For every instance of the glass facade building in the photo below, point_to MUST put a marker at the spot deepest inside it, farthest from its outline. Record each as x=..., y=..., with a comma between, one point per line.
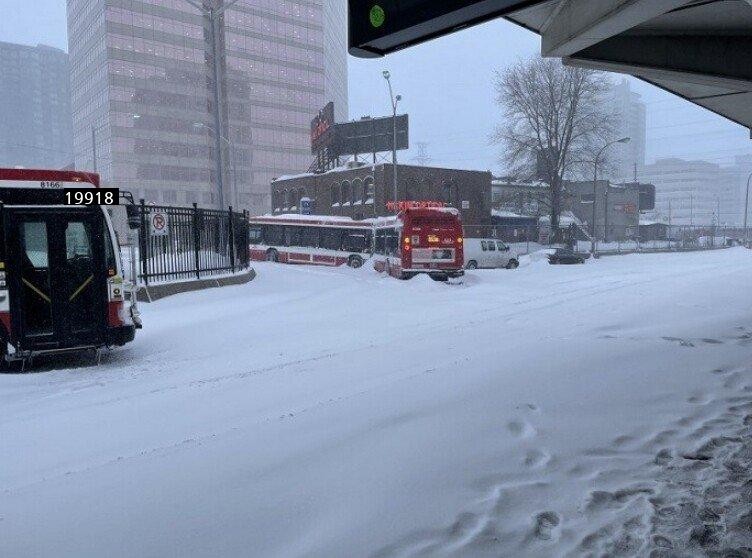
x=143, y=85
x=35, y=115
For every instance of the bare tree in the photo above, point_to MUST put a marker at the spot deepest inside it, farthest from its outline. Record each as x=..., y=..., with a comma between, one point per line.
x=555, y=120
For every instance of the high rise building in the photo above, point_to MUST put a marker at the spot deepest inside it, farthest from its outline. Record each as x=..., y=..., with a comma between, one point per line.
x=693, y=192
x=629, y=121
x=35, y=115
x=143, y=81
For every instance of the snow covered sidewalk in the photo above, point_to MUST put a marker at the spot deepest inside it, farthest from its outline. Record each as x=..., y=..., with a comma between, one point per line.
x=331, y=412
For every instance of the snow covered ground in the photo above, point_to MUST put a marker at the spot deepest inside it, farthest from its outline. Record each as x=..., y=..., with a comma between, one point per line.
x=551, y=410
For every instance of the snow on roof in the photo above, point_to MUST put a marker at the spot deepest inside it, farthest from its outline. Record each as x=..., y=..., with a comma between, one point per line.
x=313, y=219
x=508, y=214
x=341, y=168
x=519, y=183
x=565, y=219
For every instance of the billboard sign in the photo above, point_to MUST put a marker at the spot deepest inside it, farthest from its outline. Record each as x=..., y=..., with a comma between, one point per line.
x=321, y=128
x=378, y=27
x=370, y=135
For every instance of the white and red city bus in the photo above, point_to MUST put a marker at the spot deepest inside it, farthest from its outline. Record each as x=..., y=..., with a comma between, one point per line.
x=422, y=238
x=62, y=286
x=310, y=239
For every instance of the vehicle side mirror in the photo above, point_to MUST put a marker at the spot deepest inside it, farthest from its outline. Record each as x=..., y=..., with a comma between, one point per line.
x=134, y=217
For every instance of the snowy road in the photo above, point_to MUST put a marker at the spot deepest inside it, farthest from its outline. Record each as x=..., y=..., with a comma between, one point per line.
x=332, y=412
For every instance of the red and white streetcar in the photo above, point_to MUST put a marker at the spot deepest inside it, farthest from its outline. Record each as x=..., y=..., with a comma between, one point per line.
x=311, y=239
x=422, y=238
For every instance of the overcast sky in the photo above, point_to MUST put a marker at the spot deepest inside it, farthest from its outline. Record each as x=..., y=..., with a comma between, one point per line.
x=447, y=90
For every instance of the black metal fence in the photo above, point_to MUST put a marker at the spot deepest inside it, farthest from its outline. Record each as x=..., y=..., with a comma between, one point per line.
x=178, y=243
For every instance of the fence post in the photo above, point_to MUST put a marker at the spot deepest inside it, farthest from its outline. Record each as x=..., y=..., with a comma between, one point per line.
x=143, y=243
x=196, y=240
x=232, y=239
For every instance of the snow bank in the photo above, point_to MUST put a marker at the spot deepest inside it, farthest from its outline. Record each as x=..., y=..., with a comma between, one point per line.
x=338, y=412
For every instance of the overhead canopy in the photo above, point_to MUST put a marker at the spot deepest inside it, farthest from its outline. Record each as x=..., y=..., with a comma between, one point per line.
x=699, y=49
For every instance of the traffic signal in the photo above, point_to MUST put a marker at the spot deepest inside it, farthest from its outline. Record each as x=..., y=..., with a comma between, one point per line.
x=378, y=27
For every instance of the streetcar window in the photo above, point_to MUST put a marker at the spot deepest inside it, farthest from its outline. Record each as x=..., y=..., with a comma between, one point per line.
x=483, y=245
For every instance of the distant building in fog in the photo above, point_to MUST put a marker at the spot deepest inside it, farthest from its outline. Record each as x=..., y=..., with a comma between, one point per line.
x=35, y=113
x=630, y=121
x=693, y=192
x=143, y=79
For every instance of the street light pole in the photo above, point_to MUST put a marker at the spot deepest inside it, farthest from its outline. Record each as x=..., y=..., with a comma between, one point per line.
x=214, y=14
x=94, y=146
x=595, y=188
x=394, y=100
x=231, y=147
x=746, y=210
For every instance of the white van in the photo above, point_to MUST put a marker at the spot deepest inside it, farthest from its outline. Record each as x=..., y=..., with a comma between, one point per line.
x=489, y=253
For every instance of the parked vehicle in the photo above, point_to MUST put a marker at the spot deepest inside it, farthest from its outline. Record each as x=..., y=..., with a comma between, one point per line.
x=565, y=256
x=311, y=239
x=62, y=285
x=489, y=253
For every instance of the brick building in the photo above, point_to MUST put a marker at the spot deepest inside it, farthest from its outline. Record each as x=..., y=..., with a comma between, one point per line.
x=360, y=191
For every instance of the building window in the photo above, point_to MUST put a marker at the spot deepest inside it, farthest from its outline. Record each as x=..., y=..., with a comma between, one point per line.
x=357, y=192
x=368, y=186
x=345, y=195
x=447, y=193
x=335, y=195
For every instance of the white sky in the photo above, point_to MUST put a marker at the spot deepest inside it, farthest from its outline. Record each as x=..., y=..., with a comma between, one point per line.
x=447, y=90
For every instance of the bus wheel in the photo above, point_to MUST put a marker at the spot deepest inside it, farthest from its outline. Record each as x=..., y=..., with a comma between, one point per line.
x=355, y=262
x=272, y=255
x=513, y=264
x=472, y=264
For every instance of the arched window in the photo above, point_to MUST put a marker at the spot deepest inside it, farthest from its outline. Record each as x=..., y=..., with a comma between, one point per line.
x=368, y=186
x=345, y=195
x=412, y=191
x=334, y=194
x=447, y=192
x=357, y=192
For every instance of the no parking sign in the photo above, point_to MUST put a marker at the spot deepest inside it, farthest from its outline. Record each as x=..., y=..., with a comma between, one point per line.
x=158, y=221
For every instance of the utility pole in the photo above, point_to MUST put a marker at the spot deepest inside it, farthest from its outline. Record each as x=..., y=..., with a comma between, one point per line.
x=94, y=146
x=394, y=100
x=691, y=210
x=214, y=15
x=746, y=210
x=595, y=186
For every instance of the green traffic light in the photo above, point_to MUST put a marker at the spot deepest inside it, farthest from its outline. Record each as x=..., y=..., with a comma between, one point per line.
x=377, y=16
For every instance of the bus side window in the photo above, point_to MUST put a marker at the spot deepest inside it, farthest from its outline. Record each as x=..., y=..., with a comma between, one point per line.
x=310, y=237
x=255, y=234
x=391, y=242
x=275, y=235
x=491, y=246
x=292, y=236
x=483, y=245
x=331, y=239
x=380, y=236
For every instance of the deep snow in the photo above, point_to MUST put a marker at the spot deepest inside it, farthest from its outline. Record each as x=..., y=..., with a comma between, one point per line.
x=334, y=412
